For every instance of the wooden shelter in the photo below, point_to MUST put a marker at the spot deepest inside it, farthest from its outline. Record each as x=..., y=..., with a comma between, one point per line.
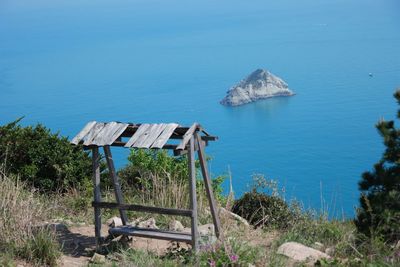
x=171, y=136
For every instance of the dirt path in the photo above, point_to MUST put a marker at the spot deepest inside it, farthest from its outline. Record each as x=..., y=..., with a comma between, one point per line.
x=79, y=243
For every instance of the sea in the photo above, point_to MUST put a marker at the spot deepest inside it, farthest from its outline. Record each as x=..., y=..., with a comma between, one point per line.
x=66, y=62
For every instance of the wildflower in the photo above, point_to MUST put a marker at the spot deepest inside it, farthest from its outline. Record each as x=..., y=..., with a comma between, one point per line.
x=233, y=257
x=212, y=263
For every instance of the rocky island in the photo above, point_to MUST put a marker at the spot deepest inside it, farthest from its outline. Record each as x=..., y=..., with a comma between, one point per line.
x=258, y=85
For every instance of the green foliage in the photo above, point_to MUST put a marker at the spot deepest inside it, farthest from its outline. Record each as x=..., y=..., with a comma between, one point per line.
x=379, y=212
x=46, y=160
x=42, y=248
x=309, y=228
x=262, y=209
x=145, y=164
x=231, y=252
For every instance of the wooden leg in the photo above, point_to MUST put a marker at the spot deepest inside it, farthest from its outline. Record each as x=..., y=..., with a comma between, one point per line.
x=193, y=195
x=208, y=186
x=97, y=194
x=116, y=184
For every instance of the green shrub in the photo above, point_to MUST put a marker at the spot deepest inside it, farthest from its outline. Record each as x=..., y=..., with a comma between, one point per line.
x=379, y=212
x=263, y=210
x=263, y=205
x=45, y=160
x=145, y=165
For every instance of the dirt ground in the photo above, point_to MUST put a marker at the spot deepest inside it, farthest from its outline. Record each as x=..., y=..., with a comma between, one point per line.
x=78, y=243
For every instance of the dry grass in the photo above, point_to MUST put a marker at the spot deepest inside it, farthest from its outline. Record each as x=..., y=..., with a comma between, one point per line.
x=21, y=216
x=170, y=192
x=20, y=211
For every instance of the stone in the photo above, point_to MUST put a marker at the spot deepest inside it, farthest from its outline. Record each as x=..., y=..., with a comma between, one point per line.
x=136, y=221
x=234, y=216
x=206, y=230
x=176, y=226
x=68, y=222
x=150, y=223
x=114, y=222
x=318, y=245
x=300, y=252
x=260, y=84
x=98, y=258
x=330, y=251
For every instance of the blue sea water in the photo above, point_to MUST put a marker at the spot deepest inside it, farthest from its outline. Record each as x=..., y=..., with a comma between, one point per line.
x=63, y=63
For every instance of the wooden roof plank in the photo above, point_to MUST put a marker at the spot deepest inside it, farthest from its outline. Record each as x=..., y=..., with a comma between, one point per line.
x=165, y=135
x=104, y=133
x=142, y=128
x=119, y=130
x=187, y=135
x=93, y=132
x=143, y=137
x=83, y=132
x=153, y=135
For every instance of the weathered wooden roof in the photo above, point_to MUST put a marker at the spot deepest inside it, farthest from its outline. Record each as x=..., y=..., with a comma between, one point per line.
x=138, y=135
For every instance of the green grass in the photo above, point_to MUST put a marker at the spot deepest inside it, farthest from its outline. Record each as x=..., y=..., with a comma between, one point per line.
x=41, y=249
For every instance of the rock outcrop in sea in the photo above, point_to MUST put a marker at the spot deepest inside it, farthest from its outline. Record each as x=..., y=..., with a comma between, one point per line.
x=258, y=85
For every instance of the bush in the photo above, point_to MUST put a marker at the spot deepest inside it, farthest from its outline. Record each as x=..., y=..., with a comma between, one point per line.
x=143, y=163
x=262, y=209
x=148, y=168
x=46, y=161
x=379, y=212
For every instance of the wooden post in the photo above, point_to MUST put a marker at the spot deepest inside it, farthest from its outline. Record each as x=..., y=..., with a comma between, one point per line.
x=97, y=194
x=116, y=184
x=193, y=195
x=208, y=185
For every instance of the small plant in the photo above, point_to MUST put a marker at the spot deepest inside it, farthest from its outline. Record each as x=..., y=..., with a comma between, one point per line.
x=42, y=248
x=231, y=252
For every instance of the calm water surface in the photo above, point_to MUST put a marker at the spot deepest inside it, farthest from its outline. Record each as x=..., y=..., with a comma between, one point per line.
x=63, y=63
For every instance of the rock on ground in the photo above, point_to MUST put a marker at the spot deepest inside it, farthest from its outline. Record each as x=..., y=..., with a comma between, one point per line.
x=114, y=222
x=150, y=223
x=299, y=252
x=206, y=230
x=98, y=258
x=176, y=226
x=229, y=214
